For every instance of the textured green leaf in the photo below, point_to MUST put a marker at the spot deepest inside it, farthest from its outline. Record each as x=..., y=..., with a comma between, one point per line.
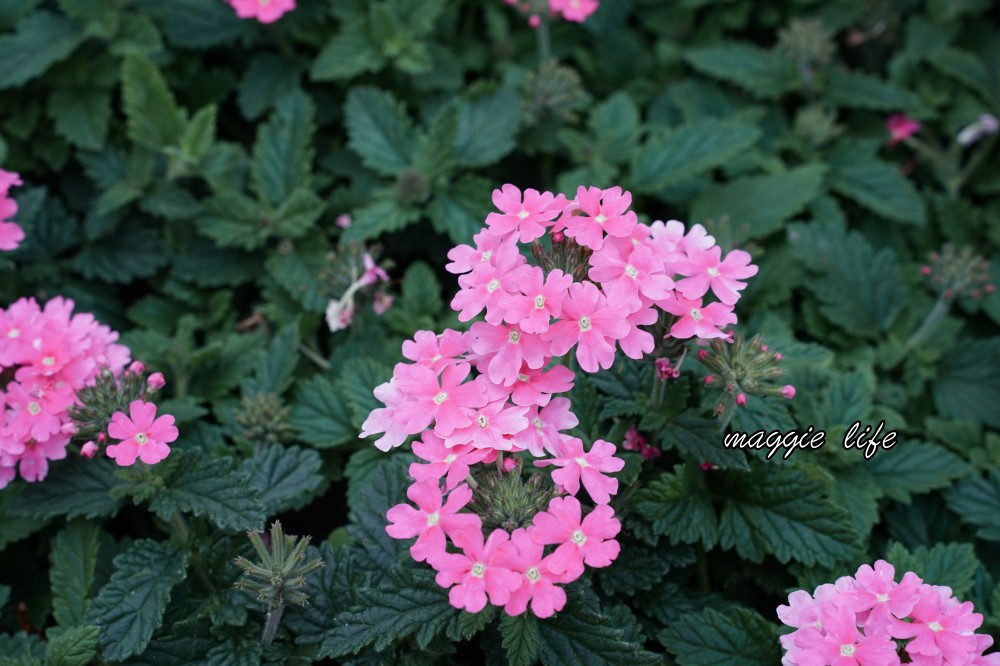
x=641, y=567
x=267, y=79
x=463, y=626
x=699, y=440
x=41, y=40
x=765, y=74
x=679, y=506
x=976, y=500
x=757, y=206
x=207, y=265
x=688, y=151
x=232, y=219
x=614, y=124
x=211, y=488
x=73, y=647
x=173, y=651
x=283, y=152
x=81, y=115
x=286, y=478
x=379, y=130
x=134, y=252
x=138, y=35
x=276, y=364
x=458, y=210
x=357, y=380
x=199, y=133
x=385, y=488
x=196, y=23
x=876, y=185
x=913, y=467
x=15, y=527
x=856, y=90
x=130, y=607
x=74, y=557
x=709, y=638
x=297, y=269
x=779, y=511
x=154, y=120
x=170, y=201
x=966, y=68
x=581, y=634
x=298, y=214
x=951, y=564
x=322, y=414
x=330, y=591
x=968, y=385
x=520, y=638
x=75, y=487
x=487, y=127
x=21, y=649
x=348, y=53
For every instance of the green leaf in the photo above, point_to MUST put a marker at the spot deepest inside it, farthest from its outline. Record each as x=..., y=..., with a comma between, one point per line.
x=379, y=217
x=283, y=152
x=758, y=206
x=276, y=365
x=689, y=150
x=322, y=414
x=951, y=564
x=385, y=488
x=298, y=214
x=520, y=638
x=154, y=120
x=976, y=500
x=357, y=381
x=130, y=607
x=968, y=384
x=76, y=487
x=679, y=506
x=464, y=625
x=213, y=489
x=74, y=557
x=779, y=511
x=73, y=647
x=581, y=634
x=174, y=651
x=134, y=252
x=21, y=649
x=698, y=439
x=286, y=478
x=347, y=54
x=876, y=185
x=41, y=40
x=765, y=74
x=740, y=637
x=914, y=467
x=419, y=303
x=330, y=591
x=487, y=127
x=81, y=115
x=199, y=133
x=196, y=23
x=642, y=568
x=379, y=130
x=856, y=90
x=233, y=219
x=267, y=79
x=614, y=124
x=966, y=68
x=13, y=528
x=458, y=210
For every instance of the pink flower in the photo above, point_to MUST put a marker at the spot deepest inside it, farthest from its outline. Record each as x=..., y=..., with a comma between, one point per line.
x=839, y=643
x=543, y=433
x=697, y=321
x=540, y=299
x=525, y=219
x=383, y=419
x=35, y=412
x=478, y=571
x=156, y=381
x=488, y=284
x=535, y=387
x=588, y=467
x=381, y=302
x=878, y=592
x=590, y=323
x=706, y=271
x=143, y=435
x=901, y=127
x=638, y=342
x=432, y=520
x=11, y=235
x=443, y=460
x=446, y=404
x=574, y=10
x=343, y=221
x=465, y=258
x=265, y=11
x=539, y=582
x=490, y=426
x=589, y=542
x=626, y=271
x=508, y=348
x=604, y=212
x=88, y=450
x=436, y=351
x=939, y=627
x=34, y=460
x=788, y=391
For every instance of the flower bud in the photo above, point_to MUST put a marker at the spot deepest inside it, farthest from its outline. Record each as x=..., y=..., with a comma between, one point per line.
x=156, y=381
x=137, y=368
x=343, y=221
x=788, y=391
x=88, y=450
x=741, y=399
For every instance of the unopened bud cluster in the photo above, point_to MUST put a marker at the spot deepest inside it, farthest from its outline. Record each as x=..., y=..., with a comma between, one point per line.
x=953, y=273
x=506, y=500
x=743, y=367
x=265, y=420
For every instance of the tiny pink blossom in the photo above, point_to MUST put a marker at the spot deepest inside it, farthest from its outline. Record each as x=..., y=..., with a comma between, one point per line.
x=638, y=342
x=626, y=272
x=574, y=10
x=841, y=644
x=432, y=520
x=88, y=450
x=447, y=404
x=788, y=391
x=143, y=435
x=465, y=258
x=539, y=583
x=156, y=381
x=706, y=271
x=489, y=284
x=510, y=348
x=901, y=127
x=535, y=387
x=939, y=626
x=491, y=427
x=587, y=467
x=436, y=351
x=539, y=300
x=544, y=432
x=697, y=320
x=265, y=11
x=343, y=221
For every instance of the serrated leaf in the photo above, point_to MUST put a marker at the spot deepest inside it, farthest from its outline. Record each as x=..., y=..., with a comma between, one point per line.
x=965, y=68
x=968, y=384
x=688, y=151
x=233, y=219
x=21, y=649
x=580, y=634
x=347, y=54
x=276, y=365
x=195, y=23
x=698, y=439
x=199, y=133
x=779, y=511
x=41, y=40
x=75, y=487
x=464, y=625
x=283, y=151
x=856, y=90
x=679, y=506
x=321, y=414
x=379, y=130
x=384, y=489
x=298, y=213
x=976, y=500
x=951, y=564
x=74, y=557
x=81, y=115
x=76, y=646
x=330, y=592
x=130, y=607
x=520, y=638
x=642, y=568
x=267, y=79
x=457, y=210
x=765, y=74
x=173, y=651
x=740, y=637
x=134, y=252
x=757, y=206
x=213, y=489
x=487, y=127
x=914, y=467
x=285, y=477
x=379, y=217
x=876, y=185
x=154, y=120
x=13, y=527
x=298, y=270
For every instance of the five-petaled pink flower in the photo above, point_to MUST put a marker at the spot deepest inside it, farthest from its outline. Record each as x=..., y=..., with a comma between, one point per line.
x=841, y=644
x=588, y=467
x=265, y=11
x=432, y=520
x=527, y=218
x=450, y=462
x=591, y=323
x=590, y=541
x=477, y=571
x=538, y=585
x=143, y=435
x=601, y=212
x=705, y=270
x=697, y=320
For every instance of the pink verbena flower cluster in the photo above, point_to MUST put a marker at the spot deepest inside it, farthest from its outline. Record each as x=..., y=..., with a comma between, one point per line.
x=11, y=234
x=49, y=353
x=571, y=10
x=600, y=283
x=871, y=620
x=265, y=11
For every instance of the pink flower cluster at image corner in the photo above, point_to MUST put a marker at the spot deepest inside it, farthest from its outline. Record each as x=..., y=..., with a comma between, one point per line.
x=628, y=276
x=854, y=622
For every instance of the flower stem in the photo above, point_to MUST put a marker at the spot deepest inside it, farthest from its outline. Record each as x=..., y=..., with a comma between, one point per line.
x=930, y=323
x=544, y=42
x=180, y=527
x=271, y=624
x=314, y=356
x=703, y=581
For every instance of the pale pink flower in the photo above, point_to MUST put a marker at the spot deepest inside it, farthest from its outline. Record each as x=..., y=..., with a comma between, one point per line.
x=478, y=570
x=524, y=219
x=545, y=425
x=383, y=419
x=35, y=412
x=143, y=435
x=433, y=520
x=590, y=541
x=507, y=348
x=603, y=212
x=436, y=351
x=698, y=321
x=491, y=426
x=591, y=323
x=638, y=342
x=11, y=234
x=382, y=302
x=465, y=258
x=156, y=381
x=536, y=386
x=574, y=10
x=446, y=403
x=940, y=626
x=705, y=271
x=343, y=221
x=265, y=11
x=339, y=314
x=373, y=272
x=841, y=644
x=539, y=583
x=587, y=467
x=88, y=450
x=488, y=284
x=34, y=460
x=539, y=301
x=901, y=127
x=627, y=272
x=443, y=461
x=878, y=593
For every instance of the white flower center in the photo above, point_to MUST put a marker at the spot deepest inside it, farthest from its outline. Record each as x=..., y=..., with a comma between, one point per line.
x=935, y=626
x=436, y=358
x=486, y=255
x=483, y=421
x=514, y=337
x=584, y=323
x=533, y=575
x=581, y=462
x=433, y=519
x=440, y=397
x=451, y=458
x=882, y=598
x=522, y=378
x=492, y=286
x=478, y=569
x=600, y=219
x=34, y=408
x=264, y=3
x=631, y=271
x=714, y=272
x=13, y=333
x=538, y=423
x=539, y=302
x=49, y=361
x=696, y=314
x=140, y=438
x=846, y=650
x=523, y=215
x=579, y=538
